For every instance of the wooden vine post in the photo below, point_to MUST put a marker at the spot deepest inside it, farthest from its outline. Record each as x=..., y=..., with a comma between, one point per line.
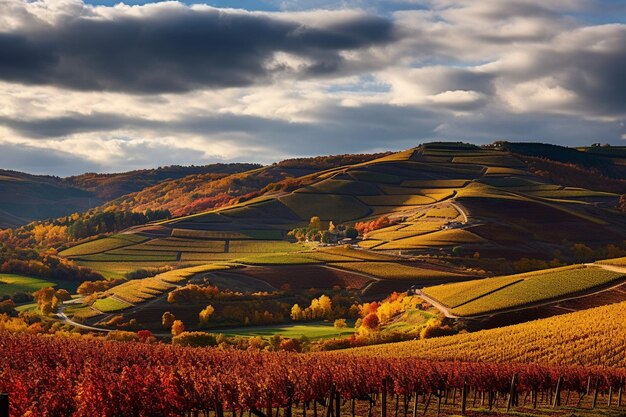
x=4, y=405
x=383, y=399
x=512, y=392
x=464, y=397
x=557, y=393
x=595, y=394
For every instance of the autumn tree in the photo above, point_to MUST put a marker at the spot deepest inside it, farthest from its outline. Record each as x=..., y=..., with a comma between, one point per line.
x=205, y=314
x=63, y=295
x=46, y=300
x=315, y=223
x=167, y=320
x=371, y=322
x=178, y=327
x=146, y=336
x=340, y=324
x=290, y=345
x=296, y=312
x=90, y=287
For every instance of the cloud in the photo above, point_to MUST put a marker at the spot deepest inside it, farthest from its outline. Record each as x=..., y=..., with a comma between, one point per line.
x=116, y=88
x=170, y=47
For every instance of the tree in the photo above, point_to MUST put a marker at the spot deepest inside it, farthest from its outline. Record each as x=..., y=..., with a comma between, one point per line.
x=63, y=295
x=371, y=321
x=167, y=320
x=178, y=327
x=582, y=252
x=46, y=300
x=325, y=306
x=351, y=233
x=340, y=324
x=290, y=345
x=296, y=312
x=206, y=314
x=146, y=336
x=315, y=223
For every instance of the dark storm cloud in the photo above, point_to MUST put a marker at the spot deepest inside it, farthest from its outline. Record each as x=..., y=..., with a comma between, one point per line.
x=174, y=48
x=343, y=127
x=67, y=125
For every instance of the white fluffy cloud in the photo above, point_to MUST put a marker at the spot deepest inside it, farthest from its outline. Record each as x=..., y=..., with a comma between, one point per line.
x=169, y=83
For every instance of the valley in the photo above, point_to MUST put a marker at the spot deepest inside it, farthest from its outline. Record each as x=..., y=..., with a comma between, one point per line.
x=436, y=253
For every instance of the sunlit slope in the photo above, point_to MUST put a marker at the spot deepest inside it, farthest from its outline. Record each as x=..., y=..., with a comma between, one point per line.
x=489, y=295
x=494, y=205
x=591, y=337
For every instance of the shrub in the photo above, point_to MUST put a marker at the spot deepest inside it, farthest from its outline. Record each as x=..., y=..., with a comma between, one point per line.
x=194, y=339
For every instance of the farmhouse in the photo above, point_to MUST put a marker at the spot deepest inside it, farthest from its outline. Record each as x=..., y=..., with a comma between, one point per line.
x=451, y=225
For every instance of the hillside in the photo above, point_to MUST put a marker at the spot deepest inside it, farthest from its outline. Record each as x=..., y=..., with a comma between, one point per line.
x=592, y=337
x=475, y=207
x=492, y=302
x=25, y=197
x=111, y=186
x=200, y=192
x=495, y=207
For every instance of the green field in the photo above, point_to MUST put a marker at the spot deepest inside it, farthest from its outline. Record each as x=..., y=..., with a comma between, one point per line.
x=10, y=284
x=359, y=254
x=109, y=305
x=339, y=208
x=103, y=245
x=263, y=246
x=312, y=331
x=391, y=270
x=278, y=259
x=456, y=294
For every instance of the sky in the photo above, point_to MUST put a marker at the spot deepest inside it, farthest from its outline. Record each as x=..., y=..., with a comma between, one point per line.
x=104, y=86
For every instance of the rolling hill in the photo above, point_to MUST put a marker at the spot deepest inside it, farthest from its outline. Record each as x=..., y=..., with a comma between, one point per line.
x=111, y=186
x=196, y=193
x=25, y=197
x=456, y=199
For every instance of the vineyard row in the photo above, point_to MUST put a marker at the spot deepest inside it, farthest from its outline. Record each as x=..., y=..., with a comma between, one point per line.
x=58, y=376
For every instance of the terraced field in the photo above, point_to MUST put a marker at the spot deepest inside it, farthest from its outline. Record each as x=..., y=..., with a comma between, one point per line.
x=494, y=294
x=103, y=245
x=10, y=284
x=396, y=271
x=494, y=202
x=616, y=261
x=137, y=291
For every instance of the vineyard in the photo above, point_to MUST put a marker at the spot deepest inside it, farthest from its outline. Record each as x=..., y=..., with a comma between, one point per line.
x=493, y=294
x=590, y=337
x=59, y=376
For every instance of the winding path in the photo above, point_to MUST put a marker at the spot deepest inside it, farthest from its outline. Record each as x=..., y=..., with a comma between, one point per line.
x=63, y=317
